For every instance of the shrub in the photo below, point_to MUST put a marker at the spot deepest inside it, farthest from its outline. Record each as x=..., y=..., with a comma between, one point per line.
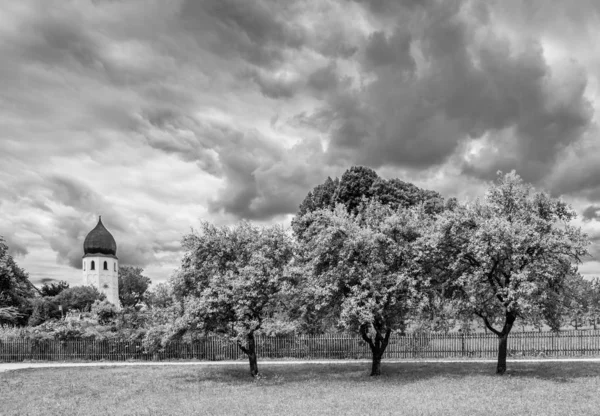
x=9, y=315
x=78, y=297
x=104, y=311
x=44, y=309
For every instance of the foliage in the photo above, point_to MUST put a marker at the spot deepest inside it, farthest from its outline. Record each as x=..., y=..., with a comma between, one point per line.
x=579, y=305
x=358, y=271
x=104, y=311
x=15, y=289
x=53, y=289
x=232, y=281
x=505, y=257
x=594, y=301
x=103, y=322
x=355, y=184
x=321, y=197
x=44, y=309
x=78, y=298
x=360, y=183
x=132, y=285
x=159, y=296
x=13, y=331
x=399, y=194
x=9, y=315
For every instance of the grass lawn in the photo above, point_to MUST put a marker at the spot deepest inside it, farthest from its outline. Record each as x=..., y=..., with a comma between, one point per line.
x=307, y=389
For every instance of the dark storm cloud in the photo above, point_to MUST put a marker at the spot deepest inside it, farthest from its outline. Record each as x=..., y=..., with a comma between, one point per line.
x=85, y=200
x=325, y=79
x=70, y=230
x=67, y=240
x=58, y=39
x=261, y=178
x=577, y=173
x=174, y=133
x=61, y=37
x=16, y=247
x=262, y=184
x=319, y=82
x=471, y=83
x=592, y=212
x=381, y=51
x=258, y=31
x=273, y=86
x=380, y=7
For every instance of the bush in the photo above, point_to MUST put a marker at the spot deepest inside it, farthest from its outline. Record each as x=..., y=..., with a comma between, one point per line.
x=44, y=309
x=160, y=296
x=78, y=298
x=104, y=311
x=9, y=315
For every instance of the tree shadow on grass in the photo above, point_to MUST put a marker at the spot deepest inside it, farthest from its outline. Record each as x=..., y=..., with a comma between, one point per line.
x=394, y=373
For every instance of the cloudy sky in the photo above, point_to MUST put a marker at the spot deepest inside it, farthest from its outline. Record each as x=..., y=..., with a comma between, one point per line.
x=159, y=114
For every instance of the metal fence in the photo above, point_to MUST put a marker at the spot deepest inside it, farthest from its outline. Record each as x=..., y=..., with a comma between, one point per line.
x=331, y=346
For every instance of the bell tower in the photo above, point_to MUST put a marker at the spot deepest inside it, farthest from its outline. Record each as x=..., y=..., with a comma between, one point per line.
x=100, y=263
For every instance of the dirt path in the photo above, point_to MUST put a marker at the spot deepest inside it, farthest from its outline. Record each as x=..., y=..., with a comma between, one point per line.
x=18, y=366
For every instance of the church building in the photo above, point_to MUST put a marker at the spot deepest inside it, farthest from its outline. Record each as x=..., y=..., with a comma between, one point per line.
x=100, y=262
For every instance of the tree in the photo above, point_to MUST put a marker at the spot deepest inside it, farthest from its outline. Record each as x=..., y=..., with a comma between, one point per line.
x=78, y=298
x=595, y=301
x=53, y=289
x=361, y=183
x=358, y=271
x=577, y=301
x=104, y=311
x=9, y=315
x=567, y=305
x=159, y=296
x=44, y=309
x=507, y=256
x=355, y=184
x=322, y=196
x=15, y=289
x=132, y=285
x=231, y=281
x=398, y=194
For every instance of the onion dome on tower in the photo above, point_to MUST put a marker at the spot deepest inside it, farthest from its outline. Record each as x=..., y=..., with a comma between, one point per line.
x=100, y=241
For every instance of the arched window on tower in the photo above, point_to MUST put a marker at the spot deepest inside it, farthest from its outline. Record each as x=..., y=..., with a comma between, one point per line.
x=93, y=266
x=105, y=266
x=84, y=266
x=115, y=263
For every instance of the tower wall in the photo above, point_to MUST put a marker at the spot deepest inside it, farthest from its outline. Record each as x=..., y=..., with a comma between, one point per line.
x=106, y=281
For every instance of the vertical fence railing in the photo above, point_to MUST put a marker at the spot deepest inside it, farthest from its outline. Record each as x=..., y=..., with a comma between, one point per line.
x=327, y=346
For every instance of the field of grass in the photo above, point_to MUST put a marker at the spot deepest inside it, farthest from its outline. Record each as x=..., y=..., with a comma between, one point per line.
x=308, y=389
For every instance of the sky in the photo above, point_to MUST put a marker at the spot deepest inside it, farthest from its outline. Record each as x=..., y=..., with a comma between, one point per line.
x=158, y=114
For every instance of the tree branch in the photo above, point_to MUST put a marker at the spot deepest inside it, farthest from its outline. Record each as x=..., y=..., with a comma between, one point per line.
x=472, y=260
x=244, y=349
x=487, y=323
x=365, y=336
x=386, y=339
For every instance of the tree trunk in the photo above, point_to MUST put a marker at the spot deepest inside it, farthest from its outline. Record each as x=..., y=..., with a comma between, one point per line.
x=509, y=320
x=502, y=351
x=378, y=346
x=250, y=351
x=376, y=365
x=503, y=342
